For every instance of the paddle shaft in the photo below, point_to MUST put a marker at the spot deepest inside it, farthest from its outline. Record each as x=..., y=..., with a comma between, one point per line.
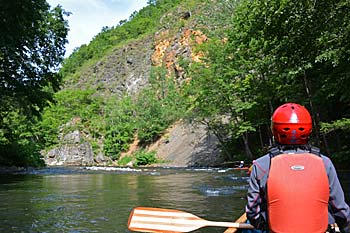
x=241, y=219
x=227, y=224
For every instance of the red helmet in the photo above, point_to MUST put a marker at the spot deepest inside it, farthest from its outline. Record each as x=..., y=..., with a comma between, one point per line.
x=291, y=124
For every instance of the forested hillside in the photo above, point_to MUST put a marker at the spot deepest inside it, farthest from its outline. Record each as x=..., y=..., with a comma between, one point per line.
x=225, y=63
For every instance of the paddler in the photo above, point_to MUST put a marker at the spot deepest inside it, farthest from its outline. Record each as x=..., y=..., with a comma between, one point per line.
x=294, y=188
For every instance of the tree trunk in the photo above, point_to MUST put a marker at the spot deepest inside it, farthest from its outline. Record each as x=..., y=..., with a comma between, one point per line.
x=246, y=146
x=315, y=116
x=261, y=138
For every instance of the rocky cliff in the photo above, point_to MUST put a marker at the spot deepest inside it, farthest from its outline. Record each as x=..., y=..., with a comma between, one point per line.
x=126, y=69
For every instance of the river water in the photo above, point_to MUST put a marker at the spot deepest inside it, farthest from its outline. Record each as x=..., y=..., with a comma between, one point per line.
x=84, y=200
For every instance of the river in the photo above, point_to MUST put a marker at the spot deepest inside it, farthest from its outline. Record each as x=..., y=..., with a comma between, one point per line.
x=83, y=200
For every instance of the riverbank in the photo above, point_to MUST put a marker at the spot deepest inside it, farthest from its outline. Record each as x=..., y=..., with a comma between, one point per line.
x=13, y=170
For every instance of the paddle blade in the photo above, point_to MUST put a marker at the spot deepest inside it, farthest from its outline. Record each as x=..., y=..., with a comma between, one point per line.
x=144, y=219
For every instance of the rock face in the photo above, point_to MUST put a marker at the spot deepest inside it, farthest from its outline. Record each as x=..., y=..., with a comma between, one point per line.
x=125, y=69
x=70, y=155
x=184, y=145
x=187, y=145
x=73, y=151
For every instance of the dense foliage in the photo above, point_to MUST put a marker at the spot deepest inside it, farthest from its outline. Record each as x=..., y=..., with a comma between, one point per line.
x=275, y=52
x=32, y=41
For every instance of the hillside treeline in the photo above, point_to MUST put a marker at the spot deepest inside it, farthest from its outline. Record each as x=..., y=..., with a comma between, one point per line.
x=259, y=55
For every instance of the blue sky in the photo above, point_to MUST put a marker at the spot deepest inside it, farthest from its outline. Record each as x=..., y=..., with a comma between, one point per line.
x=89, y=16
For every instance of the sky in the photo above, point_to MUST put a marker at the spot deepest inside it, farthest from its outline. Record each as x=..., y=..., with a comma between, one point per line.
x=90, y=16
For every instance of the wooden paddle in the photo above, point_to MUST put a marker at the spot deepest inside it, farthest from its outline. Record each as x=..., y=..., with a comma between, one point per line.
x=144, y=219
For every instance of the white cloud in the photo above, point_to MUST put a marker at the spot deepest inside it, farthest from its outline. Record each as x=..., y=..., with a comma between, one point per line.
x=89, y=16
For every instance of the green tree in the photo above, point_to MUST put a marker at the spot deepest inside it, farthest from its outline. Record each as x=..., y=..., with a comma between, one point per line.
x=70, y=104
x=276, y=51
x=32, y=41
x=32, y=44
x=158, y=106
x=223, y=98
x=120, y=126
x=300, y=53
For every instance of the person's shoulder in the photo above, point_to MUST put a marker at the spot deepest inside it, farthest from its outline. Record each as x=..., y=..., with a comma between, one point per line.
x=326, y=159
x=263, y=158
x=263, y=161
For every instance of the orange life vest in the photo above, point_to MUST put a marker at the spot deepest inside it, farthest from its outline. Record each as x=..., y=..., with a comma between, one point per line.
x=297, y=194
